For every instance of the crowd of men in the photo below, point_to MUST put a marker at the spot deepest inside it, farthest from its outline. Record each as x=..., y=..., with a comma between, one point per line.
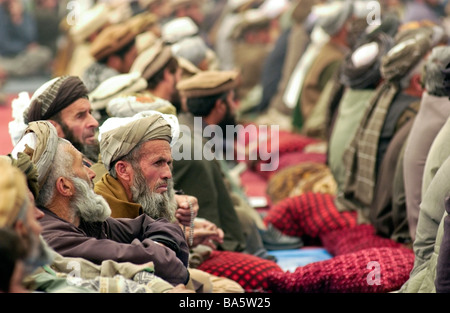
x=116, y=171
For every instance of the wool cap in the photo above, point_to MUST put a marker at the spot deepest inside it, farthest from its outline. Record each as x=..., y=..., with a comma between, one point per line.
x=13, y=193
x=192, y=49
x=208, y=83
x=111, y=39
x=118, y=136
x=90, y=22
x=152, y=60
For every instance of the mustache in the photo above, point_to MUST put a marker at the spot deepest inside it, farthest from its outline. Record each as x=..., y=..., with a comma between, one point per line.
x=164, y=182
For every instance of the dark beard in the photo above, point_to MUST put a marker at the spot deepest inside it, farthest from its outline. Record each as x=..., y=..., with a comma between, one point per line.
x=154, y=205
x=176, y=101
x=89, y=151
x=229, y=119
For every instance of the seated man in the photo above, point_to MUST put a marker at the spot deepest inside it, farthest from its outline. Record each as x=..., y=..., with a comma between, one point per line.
x=64, y=102
x=140, y=173
x=77, y=222
x=211, y=108
x=20, y=53
x=12, y=255
x=140, y=181
x=47, y=271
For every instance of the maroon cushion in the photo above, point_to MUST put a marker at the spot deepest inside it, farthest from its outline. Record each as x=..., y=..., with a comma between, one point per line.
x=374, y=270
x=309, y=214
x=354, y=239
x=248, y=270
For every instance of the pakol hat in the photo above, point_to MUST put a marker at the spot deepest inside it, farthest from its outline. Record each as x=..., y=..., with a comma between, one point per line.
x=208, y=83
x=112, y=38
x=152, y=60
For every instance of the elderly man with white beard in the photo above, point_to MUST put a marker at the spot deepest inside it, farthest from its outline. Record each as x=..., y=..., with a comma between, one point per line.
x=77, y=221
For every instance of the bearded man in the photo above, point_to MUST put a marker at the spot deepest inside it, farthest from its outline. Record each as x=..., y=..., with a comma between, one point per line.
x=140, y=174
x=77, y=221
x=137, y=153
x=210, y=100
x=64, y=102
x=18, y=214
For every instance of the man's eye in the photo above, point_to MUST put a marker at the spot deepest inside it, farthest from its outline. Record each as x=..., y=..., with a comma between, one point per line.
x=87, y=164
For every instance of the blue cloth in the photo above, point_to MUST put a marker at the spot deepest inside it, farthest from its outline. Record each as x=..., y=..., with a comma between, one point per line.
x=289, y=260
x=15, y=38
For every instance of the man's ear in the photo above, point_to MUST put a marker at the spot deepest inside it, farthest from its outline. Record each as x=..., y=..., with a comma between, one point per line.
x=65, y=187
x=123, y=170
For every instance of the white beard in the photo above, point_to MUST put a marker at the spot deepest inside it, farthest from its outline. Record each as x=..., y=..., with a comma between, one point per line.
x=90, y=206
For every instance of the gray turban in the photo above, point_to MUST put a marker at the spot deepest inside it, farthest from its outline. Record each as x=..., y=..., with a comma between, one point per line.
x=118, y=142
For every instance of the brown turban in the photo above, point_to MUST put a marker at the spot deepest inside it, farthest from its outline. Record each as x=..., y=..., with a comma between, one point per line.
x=118, y=142
x=54, y=96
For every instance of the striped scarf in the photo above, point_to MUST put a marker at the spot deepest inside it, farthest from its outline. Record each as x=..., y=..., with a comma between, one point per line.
x=360, y=157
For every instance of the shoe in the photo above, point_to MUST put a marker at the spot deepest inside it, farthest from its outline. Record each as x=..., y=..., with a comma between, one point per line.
x=262, y=253
x=273, y=239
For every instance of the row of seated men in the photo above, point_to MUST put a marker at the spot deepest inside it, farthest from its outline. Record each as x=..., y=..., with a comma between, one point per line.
x=371, y=94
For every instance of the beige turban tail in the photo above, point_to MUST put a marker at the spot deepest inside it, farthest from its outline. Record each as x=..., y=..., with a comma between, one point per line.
x=118, y=142
x=41, y=147
x=13, y=193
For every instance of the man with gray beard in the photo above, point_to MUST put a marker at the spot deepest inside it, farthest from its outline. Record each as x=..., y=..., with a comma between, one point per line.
x=77, y=221
x=140, y=174
x=153, y=204
x=137, y=153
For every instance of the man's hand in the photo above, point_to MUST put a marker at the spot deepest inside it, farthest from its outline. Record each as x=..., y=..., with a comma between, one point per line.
x=183, y=213
x=206, y=233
